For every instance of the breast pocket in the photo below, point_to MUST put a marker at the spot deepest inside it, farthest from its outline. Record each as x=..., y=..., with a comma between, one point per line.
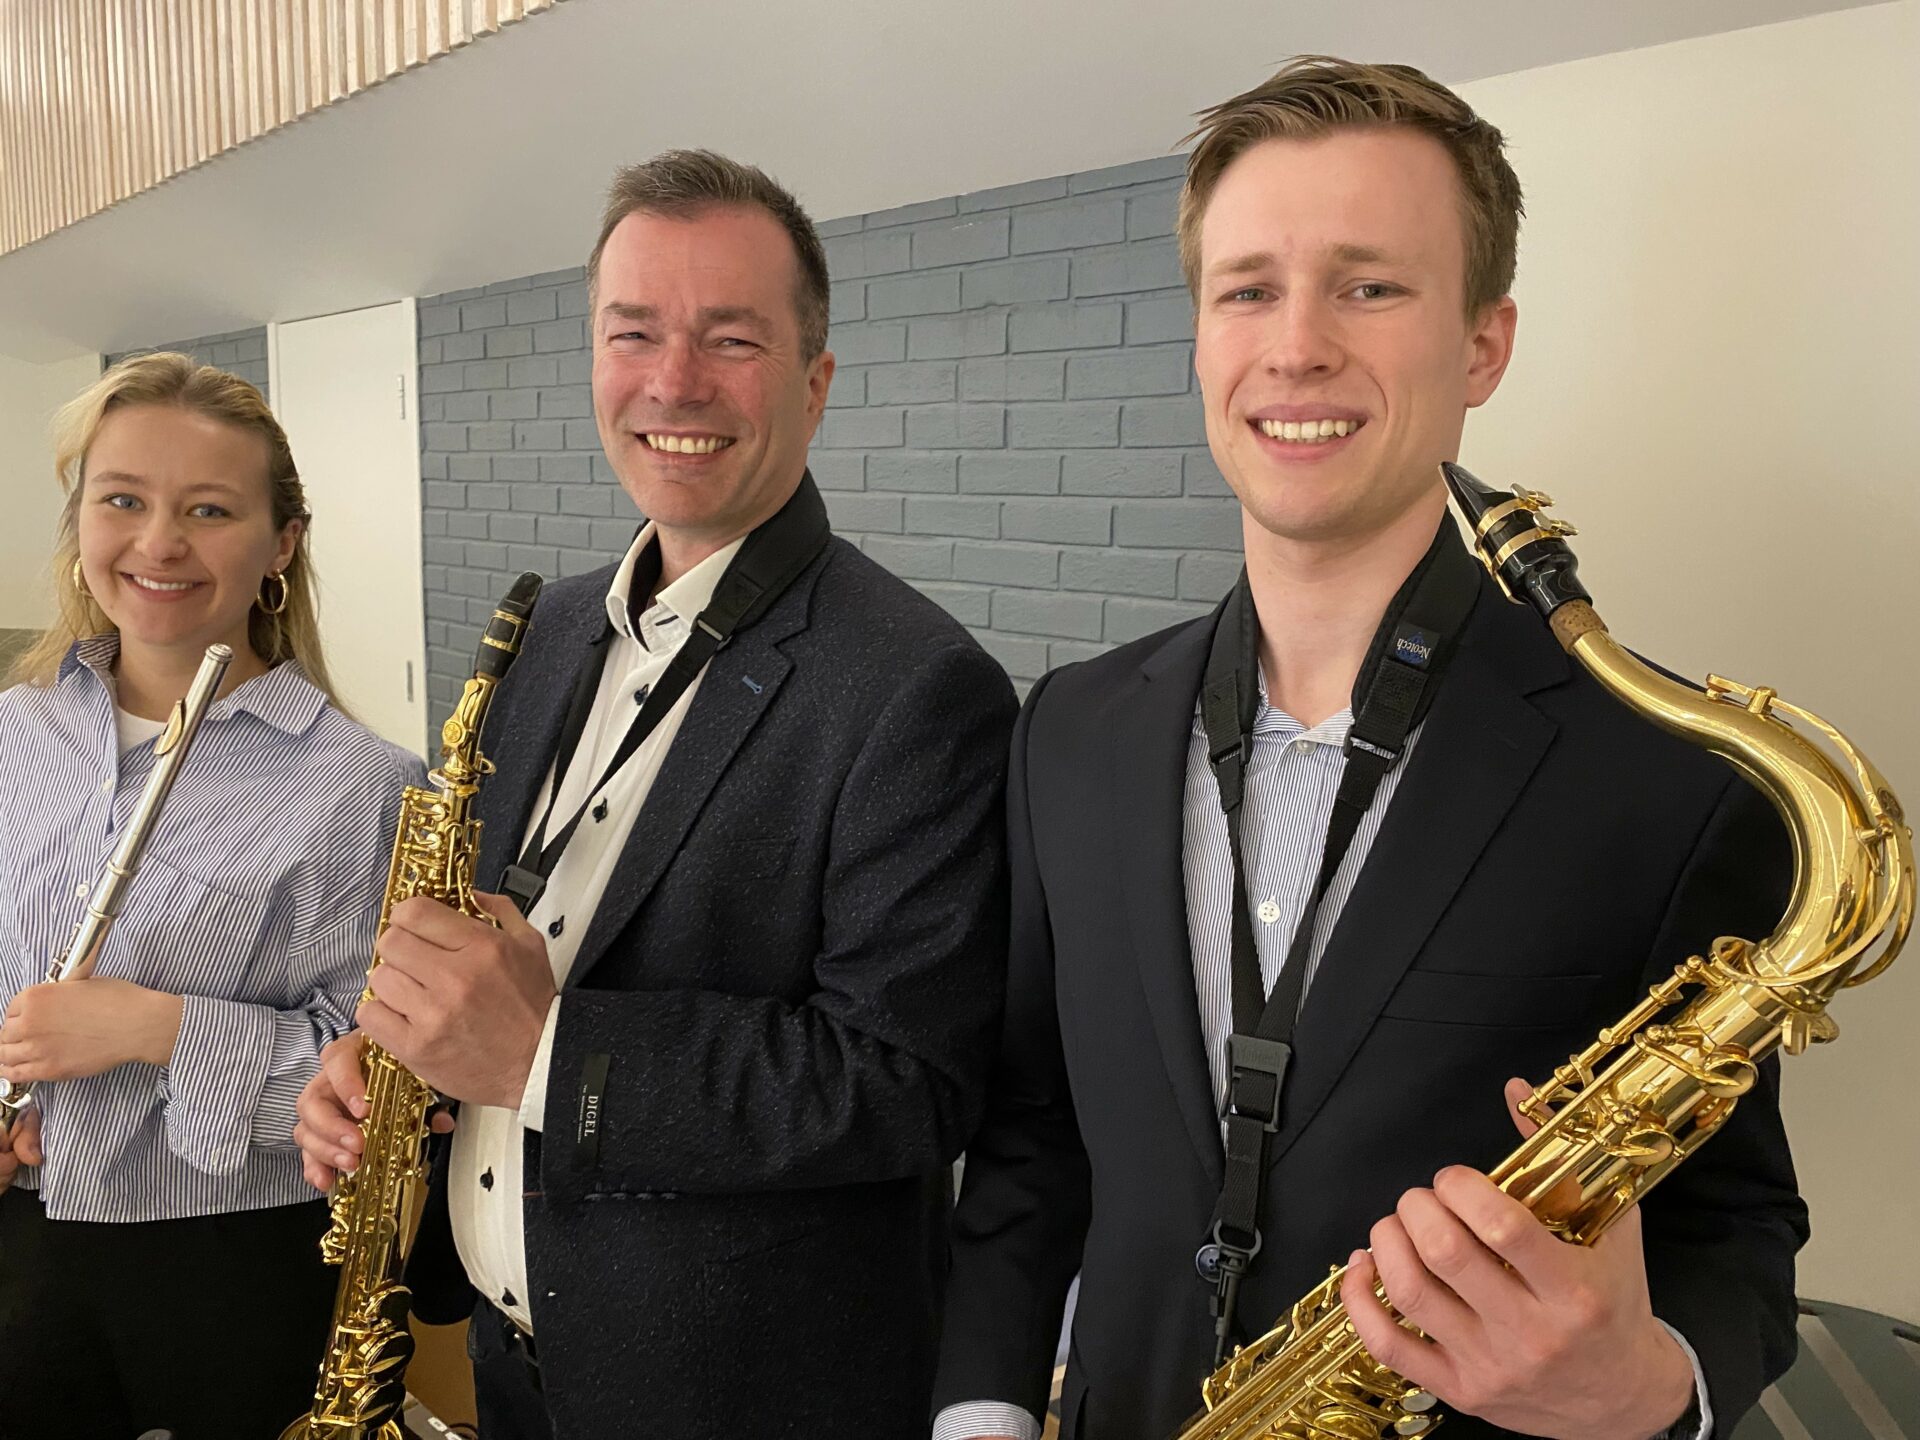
x=1533, y=1002
x=761, y=858
x=189, y=935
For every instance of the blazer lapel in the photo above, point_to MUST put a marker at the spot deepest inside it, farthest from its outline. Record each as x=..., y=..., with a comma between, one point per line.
x=523, y=731
x=1151, y=721
x=735, y=690
x=1481, y=742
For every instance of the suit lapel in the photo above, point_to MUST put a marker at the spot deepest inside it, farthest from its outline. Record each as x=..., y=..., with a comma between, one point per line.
x=1480, y=745
x=1151, y=722
x=735, y=690
x=524, y=729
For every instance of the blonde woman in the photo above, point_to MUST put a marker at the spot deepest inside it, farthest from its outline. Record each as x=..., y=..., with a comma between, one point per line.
x=158, y=1247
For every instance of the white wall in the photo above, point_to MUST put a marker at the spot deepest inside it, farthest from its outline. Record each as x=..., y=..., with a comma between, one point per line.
x=29, y=394
x=1718, y=378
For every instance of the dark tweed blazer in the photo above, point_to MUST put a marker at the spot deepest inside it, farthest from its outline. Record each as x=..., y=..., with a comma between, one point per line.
x=795, y=979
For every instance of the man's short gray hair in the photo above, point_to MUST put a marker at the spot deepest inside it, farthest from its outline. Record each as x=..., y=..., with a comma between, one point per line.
x=681, y=183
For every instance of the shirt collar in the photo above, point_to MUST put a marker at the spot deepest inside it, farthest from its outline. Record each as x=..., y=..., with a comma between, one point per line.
x=684, y=598
x=283, y=697
x=1271, y=721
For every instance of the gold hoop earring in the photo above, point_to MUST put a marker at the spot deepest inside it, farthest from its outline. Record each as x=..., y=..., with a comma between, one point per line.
x=280, y=603
x=80, y=580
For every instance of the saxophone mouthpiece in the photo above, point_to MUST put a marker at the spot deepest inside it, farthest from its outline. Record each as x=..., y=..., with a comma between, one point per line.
x=500, y=642
x=1522, y=547
x=518, y=601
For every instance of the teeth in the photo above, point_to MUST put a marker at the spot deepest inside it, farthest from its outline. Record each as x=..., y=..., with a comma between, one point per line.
x=688, y=444
x=146, y=584
x=1310, y=432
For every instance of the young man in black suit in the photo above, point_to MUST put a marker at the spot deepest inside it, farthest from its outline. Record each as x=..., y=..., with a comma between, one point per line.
x=1537, y=855
x=713, y=1082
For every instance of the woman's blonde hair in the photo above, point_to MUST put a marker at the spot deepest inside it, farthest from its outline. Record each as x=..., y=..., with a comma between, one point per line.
x=169, y=378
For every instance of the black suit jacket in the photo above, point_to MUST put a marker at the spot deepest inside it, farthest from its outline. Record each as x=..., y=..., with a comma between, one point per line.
x=1547, y=855
x=795, y=976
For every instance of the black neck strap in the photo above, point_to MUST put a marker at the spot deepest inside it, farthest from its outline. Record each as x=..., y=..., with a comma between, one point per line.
x=1396, y=684
x=770, y=559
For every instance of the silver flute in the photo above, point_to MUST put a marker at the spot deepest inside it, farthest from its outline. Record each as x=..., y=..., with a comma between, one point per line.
x=109, y=891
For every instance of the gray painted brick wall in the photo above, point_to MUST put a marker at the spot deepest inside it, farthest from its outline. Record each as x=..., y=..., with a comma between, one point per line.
x=1013, y=427
x=511, y=471
x=244, y=352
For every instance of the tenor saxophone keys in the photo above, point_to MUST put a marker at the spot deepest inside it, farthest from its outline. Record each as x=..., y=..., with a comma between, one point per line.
x=1415, y=1418
x=1758, y=700
x=1803, y=1027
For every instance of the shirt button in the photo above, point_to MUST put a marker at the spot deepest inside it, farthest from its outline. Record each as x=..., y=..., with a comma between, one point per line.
x=80, y=891
x=486, y=1179
x=600, y=811
x=640, y=695
x=1269, y=911
x=559, y=924
x=106, y=784
x=506, y=1298
x=1301, y=747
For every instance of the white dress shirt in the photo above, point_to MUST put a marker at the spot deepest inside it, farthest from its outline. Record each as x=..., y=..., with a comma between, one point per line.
x=485, y=1181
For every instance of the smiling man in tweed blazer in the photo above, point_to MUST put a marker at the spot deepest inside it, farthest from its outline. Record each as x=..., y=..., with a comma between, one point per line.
x=713, y=1081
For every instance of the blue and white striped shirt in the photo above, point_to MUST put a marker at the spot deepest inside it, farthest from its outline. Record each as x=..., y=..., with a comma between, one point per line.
x=256, y=900
x=1292, y=776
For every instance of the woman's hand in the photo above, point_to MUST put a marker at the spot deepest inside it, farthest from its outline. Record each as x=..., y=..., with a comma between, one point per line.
x=83, y=1027
x=20, y=1148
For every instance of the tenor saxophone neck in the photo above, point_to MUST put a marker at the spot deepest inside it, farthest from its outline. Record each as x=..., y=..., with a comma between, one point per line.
x=1853, y=883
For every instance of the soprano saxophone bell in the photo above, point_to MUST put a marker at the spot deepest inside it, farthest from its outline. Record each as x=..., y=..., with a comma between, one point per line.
x=1618, y=1117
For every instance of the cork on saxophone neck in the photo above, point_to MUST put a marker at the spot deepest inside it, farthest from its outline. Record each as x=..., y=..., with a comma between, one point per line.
x=1572, y=620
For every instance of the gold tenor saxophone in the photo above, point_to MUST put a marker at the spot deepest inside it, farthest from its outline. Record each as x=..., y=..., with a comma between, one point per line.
x=109, y=892
x=1654, y=1087
x=362, y=1381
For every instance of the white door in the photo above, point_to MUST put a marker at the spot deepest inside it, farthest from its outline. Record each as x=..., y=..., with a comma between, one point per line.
x=344, y=386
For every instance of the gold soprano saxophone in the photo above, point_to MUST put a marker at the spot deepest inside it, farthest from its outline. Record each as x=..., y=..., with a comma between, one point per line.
x=362, y=1382
x=109, y=892
x=1654, y=1087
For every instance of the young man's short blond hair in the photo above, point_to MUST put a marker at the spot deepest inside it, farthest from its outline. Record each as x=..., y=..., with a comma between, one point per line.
x=1316, y=95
